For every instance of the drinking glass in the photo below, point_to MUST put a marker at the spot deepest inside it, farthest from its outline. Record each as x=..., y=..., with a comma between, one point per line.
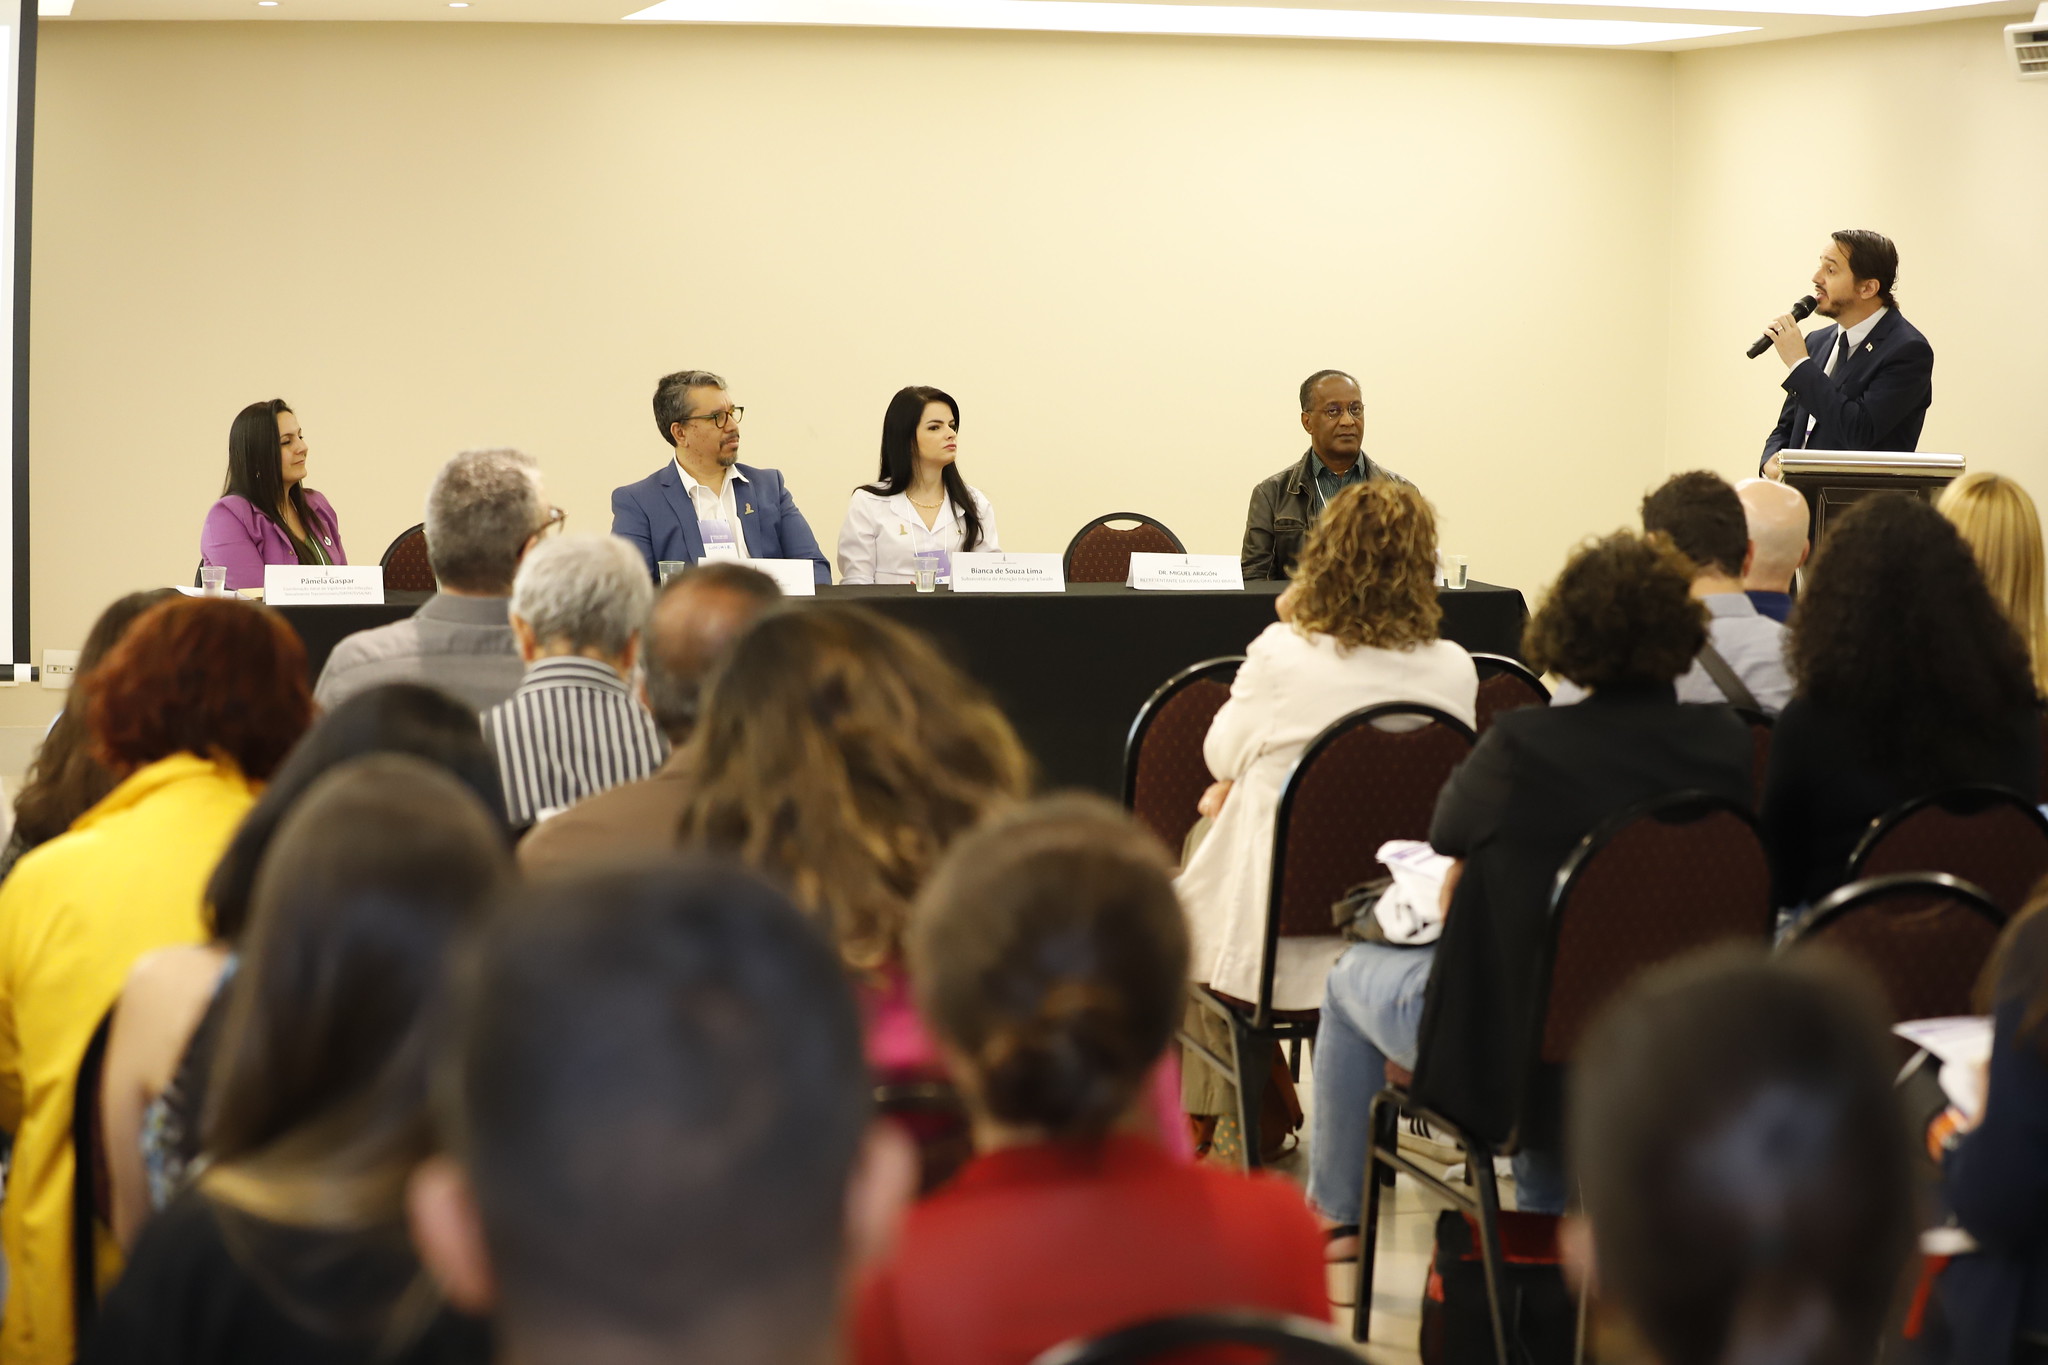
x=1457, y=571
x=213, y=580
x=671, y=567
x=926, y=571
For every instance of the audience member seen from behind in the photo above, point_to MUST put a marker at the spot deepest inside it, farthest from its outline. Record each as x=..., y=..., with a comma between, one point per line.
x=1286, y=505
x=919, y=503
x=1778, y=520
x=574, y=727
x=1910, y=680
x=657, y=1126
x=290, y=1246
x=1998, y=522
x=696, y=617
x=840, y=754
x=1358, y=627
x=196, y=705
x=1743, y=661
x=166, y=1028
x=266, y=514
x=65, y=780
x=1622, y=623
x=1051, y=958
x=1746, y=1181
x=485, y=510
x=1995, y=1164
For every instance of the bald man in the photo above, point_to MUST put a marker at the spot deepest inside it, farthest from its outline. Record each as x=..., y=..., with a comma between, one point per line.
x=1778, y=521
x=694, y=622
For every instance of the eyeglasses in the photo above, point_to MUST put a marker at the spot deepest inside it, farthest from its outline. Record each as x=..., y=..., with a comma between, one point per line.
x=1333, y=411
x=555, y=520
x=725, y=419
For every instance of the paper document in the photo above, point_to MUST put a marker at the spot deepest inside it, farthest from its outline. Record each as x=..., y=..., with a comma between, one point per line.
x=1411, y=910
x=1962, y=1044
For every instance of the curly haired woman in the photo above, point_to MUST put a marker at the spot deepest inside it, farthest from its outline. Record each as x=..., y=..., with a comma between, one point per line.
x=1358, y=627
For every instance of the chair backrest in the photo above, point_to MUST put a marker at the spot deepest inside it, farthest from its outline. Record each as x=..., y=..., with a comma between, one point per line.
x=1101, y=553
x=1760, y=726
x=1990, y=837
x=1925, y=935
x=91, y=1200
x=1504, y=685
x=1651, y=883
x=1164, y=772
x=405, y=562
x=934, y=1116
x=1357, y=785
x=1253, y=1338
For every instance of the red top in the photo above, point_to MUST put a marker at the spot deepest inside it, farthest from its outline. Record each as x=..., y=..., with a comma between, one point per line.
x=1031, y=1246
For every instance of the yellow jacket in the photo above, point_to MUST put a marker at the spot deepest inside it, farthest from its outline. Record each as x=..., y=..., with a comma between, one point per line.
x=126, y=878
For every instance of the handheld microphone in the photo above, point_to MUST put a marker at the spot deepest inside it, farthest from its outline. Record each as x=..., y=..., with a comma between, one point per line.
x=1799, y=312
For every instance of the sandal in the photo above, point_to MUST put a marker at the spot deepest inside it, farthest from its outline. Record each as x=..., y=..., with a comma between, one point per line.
x=1332, y=1238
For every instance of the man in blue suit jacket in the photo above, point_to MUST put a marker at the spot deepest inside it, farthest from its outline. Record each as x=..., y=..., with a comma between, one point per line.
x=705, y=496
x=1864, y=383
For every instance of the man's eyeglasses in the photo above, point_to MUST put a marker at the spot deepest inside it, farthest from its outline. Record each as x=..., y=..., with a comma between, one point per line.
x=1333, y=411
x=725, y=419
x=556, y=519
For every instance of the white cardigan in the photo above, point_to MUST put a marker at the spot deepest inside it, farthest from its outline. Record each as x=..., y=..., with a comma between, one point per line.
x=881, y=536
x=1289, y=690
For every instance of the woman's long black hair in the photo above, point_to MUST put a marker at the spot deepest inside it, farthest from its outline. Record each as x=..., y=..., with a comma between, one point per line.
x=256, y=471
x=899, y=456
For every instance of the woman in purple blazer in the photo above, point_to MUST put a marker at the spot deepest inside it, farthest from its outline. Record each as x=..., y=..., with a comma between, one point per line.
x=267, y=514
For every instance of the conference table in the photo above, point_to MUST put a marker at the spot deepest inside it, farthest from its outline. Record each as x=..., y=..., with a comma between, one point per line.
x=1069, y=669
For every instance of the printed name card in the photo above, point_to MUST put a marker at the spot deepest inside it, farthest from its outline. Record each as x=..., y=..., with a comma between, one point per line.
x=997, y=571
x=1185, y=573
x=312, y=585
x=796, y=577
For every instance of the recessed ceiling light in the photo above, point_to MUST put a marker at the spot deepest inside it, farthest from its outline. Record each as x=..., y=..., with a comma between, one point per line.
x=458, y=4
x=267, y=4
x=1223, y=21
x=53, y=9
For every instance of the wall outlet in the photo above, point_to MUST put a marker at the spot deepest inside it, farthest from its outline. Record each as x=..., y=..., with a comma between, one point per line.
x=58, y=666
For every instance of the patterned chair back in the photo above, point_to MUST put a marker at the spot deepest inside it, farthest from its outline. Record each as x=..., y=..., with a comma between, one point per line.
x=1925, y=936
x=1357, y=785
x=1504, y=685
x=405, y=563
x=1164, y=772
x=1101, y=553
x=1992, y=838
x=1653, y=883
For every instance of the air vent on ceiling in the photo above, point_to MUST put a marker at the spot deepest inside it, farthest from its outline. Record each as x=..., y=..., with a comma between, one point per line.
x=2028, y=44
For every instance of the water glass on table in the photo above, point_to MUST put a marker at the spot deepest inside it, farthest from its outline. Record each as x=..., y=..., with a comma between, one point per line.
x=669, y=568
x=213, y=580
x=926, y=570
x=1457, y=571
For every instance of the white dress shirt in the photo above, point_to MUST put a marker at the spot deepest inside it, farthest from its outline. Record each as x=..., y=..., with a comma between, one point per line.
x=724, y=505
x=881, y=536
x=1858, y=334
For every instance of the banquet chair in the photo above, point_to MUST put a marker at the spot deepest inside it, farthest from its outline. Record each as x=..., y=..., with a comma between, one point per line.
x=1354, y=787
x=1991, y=837
x=91, y=1187
x=1238, y=1335
x=1164, y=771
x=405, y=562
x=1664, y=878
x=1925, y=936
x=931, y=1112
x=1101, y=553
x=1505, y=684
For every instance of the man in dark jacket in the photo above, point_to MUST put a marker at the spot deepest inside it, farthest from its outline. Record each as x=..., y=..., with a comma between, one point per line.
x=1284, y=506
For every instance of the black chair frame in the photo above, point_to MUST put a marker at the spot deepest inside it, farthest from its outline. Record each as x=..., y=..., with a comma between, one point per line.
x=384, y=560
x=85, y=1165
x=1975, y=796
x=1220, y=669
x=1067, y=559
x=1491, y=664
x=1853, y=896
x=1391, y=1104
x=1243, y=1069
x=1294, y=1341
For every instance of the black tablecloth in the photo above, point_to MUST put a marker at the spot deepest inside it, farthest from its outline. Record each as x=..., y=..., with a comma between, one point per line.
x=1069, y=669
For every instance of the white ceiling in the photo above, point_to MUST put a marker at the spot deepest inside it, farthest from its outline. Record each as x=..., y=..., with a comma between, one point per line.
x=1751, y=18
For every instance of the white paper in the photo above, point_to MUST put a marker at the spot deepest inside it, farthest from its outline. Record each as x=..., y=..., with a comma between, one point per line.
x=999, y=571
x=796, y=577
x=316, y=585
x=1962, y=1044
x=1184, y=573
x=1411, y=911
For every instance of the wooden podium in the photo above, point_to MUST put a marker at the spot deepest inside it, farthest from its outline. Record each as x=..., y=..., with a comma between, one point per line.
x=1831, y=480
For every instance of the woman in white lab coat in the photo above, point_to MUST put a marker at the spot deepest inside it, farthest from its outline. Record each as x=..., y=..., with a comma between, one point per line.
x=918, y=503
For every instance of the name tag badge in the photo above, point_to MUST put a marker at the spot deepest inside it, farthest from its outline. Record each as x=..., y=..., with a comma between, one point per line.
x=718, y=540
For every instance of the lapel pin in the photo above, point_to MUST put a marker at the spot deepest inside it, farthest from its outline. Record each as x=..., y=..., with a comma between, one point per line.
x=750, y=509
x=1869, y=345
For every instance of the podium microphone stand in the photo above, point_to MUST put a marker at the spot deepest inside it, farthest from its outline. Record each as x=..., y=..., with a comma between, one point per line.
x=1832, y=480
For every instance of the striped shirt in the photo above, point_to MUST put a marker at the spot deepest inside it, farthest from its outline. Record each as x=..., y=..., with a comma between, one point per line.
x=571, y=730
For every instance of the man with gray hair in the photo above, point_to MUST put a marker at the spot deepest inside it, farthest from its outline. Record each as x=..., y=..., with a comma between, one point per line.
x=574, y=727
x=695, y=620
x=486, y=509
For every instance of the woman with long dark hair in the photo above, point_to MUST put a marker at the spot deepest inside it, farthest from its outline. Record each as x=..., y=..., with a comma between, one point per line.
x=266, y=514
x=918, y=503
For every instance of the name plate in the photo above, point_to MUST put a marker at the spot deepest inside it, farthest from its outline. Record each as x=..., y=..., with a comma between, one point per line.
x=1185, y=573
x=796, y=577
x=997, y=571
x=310, y=585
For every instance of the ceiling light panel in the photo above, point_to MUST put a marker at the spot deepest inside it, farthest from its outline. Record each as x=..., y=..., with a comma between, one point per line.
x=1218, y=21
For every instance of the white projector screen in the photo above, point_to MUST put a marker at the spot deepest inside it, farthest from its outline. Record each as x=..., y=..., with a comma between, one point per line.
x=17, y=142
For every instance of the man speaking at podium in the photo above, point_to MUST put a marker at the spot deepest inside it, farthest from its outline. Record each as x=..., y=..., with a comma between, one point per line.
x=1865, y=382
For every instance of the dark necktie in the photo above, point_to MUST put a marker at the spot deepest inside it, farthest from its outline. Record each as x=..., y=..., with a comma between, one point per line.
x=1841, y=352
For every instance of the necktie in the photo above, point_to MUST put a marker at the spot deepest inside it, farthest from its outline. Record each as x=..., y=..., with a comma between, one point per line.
x=1841, y=352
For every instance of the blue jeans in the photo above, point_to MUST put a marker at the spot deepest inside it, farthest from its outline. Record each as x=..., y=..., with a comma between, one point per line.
x=1372, y=1013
